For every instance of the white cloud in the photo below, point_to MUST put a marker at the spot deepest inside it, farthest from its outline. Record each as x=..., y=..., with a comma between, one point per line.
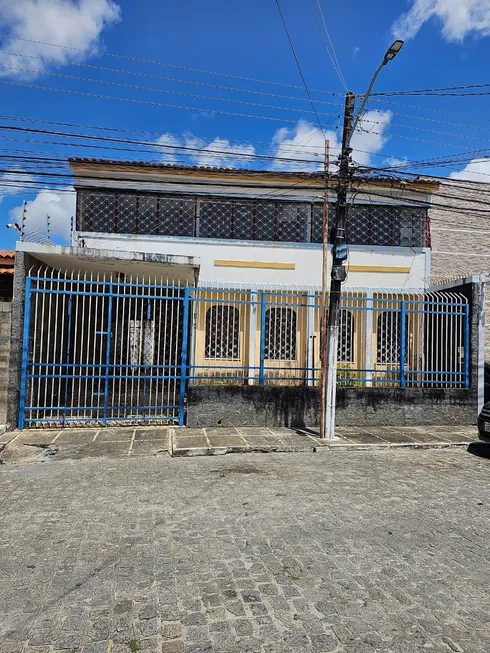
x=170, y=142
x=59, y=205
x=205, y=152
x=220, y=145
x=306, y=142
x=476, y=170
x=459, y=18
x=72, y=23
x=394, y=162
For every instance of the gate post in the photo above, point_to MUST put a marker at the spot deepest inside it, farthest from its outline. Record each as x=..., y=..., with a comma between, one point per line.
x=402, y=344
x=25, y=352
x=185, y=347
x=108, y=352
x=263, y=304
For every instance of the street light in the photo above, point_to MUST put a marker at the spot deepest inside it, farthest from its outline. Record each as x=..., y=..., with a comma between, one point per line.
x=390, y=54
x=393, y=50
x=339, y=252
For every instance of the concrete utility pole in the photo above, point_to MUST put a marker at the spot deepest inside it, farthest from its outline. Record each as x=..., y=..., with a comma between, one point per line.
x=323, y=324
x=338, y=273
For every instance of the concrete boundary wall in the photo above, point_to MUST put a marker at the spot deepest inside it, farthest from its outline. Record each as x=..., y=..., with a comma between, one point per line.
x=5, y=319
x=209, y=406
x=243, y=405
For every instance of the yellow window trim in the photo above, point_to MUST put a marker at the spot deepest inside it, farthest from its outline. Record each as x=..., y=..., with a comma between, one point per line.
x=255, y=264
x=376, y=268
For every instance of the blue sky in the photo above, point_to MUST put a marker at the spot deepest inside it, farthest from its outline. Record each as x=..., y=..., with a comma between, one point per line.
x=447, y=43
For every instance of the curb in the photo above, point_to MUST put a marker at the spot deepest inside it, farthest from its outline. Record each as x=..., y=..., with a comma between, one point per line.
x=403, y=445
x=190, y=452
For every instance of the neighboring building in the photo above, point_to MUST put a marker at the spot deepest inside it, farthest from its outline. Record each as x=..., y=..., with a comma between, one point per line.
x=460, y=233
x=7, y=260
x=6, y=288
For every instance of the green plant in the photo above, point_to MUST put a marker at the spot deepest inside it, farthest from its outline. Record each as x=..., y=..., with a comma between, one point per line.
x=348, y=378
x=134, y=647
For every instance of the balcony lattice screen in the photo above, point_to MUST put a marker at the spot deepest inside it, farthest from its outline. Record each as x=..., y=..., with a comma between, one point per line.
x=245, y=219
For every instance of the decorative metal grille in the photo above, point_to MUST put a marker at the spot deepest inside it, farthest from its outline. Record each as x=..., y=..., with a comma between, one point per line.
x=222, y=332
x=388, y=338
x=280, y=334
x=345, y=347
x=245, y=219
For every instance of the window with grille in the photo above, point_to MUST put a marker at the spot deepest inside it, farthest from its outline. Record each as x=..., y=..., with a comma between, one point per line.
x=388, y=341
x=222, y=336
x=345, y=347
x=250, y=219
x=280, y=334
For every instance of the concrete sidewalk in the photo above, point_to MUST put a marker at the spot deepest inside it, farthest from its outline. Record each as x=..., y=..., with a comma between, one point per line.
x=76, y=444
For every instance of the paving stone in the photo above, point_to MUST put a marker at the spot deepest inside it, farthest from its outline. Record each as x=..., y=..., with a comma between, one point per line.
x=171, y=630
x=67, y=642
x=148, y=627
x=365, y=552
x=96, y=647
x=177, y=646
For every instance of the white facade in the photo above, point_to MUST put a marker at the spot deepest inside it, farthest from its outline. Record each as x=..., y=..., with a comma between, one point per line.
x=259, y=262
x=278, y=264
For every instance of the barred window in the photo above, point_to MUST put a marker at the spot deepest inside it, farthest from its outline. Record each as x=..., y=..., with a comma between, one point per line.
x=222, y=337
x=345, y=347
x=388, y=339
x=280, y=334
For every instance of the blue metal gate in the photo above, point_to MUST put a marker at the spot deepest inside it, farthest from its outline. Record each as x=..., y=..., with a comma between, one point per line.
x=103, y=350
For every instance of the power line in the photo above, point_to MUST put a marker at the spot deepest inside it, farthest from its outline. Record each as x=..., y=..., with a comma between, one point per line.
x=145, y=133
x=428, y=109
x=431, y=90
x=148, y=102
x=159, y=77
x=330, y=50
x=299, y=67
x=151, y=144
x=161, y=63
x=164, y=90
x=158, y=134
x=432, y=131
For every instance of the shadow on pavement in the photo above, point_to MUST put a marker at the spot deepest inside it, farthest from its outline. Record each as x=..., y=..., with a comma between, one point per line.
x=480, y=449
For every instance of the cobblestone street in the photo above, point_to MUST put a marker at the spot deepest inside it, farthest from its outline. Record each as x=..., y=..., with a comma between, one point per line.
x=276, y=553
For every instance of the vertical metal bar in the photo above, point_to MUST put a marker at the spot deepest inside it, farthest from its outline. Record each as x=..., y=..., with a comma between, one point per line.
x=263, y=308
x=183, y=371
x=108, y=351
x=114, y=365
x=368, y=319
x=61, y=340
x=34, y=345
x=25, y=352
x=68, y=345
x=402, y=343
x=146, y=351
x=466, y=346
x=310, y=353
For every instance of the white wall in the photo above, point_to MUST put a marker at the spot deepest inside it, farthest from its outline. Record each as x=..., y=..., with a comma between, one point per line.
x=307, y=258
